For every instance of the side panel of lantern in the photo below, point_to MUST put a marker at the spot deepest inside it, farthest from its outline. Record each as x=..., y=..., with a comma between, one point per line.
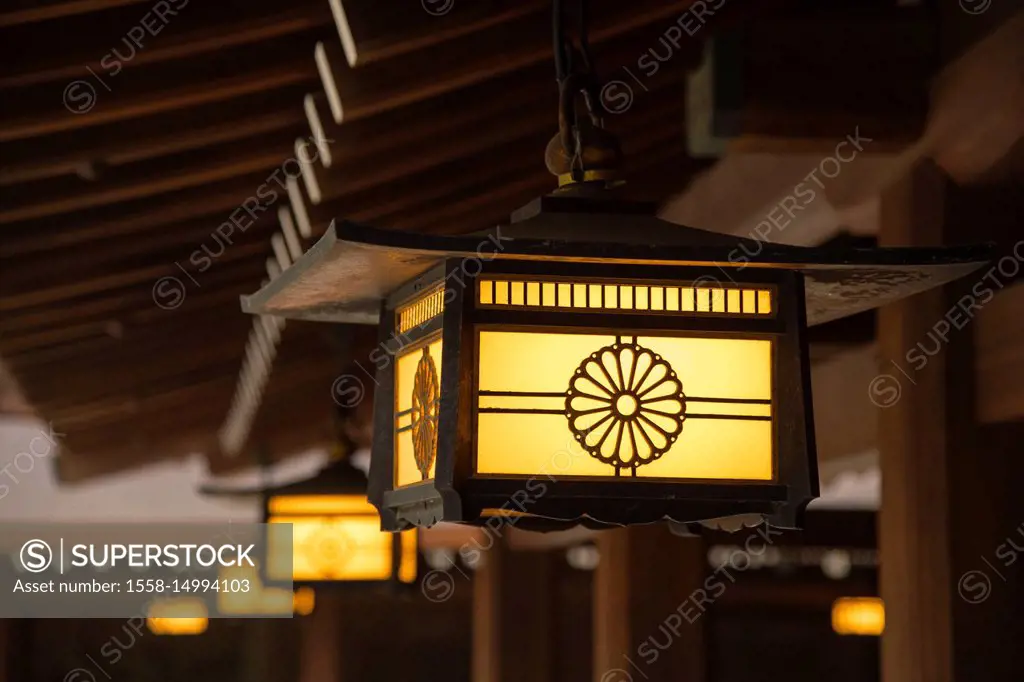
x=415, y=411
x=416, y=406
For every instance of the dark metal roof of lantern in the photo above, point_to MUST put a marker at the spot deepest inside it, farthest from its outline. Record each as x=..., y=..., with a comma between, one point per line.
x=345, y=275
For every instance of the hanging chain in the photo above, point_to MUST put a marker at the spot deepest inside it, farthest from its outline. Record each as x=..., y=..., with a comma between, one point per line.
x=576, y=78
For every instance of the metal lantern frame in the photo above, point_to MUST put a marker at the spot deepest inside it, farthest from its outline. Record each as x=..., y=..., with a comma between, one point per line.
x=363, y=275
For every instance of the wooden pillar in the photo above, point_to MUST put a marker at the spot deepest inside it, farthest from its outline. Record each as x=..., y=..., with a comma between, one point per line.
x=914, y=517
x=649, y=606
x=513, y=638
x=950, y=492
x=986, y=517
x=320, y=659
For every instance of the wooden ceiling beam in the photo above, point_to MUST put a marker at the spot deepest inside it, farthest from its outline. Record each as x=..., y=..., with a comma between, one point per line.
x=210, y=35
x=518, y=44
x=241, y=430
x=45, y=198
x=158, y=337
x=93, y=452
x=105, y=282
x=977, y=111
x=155, y=99
x=414, y=195
x=217, y=359
x=210, y=395
x=90, y=152
x=214, y=202
x=439, y=167
x=219, y=286
x=868, y=67
x=433, y=152
x=356, y=145
x=370, y=32
x=185, y=238
x=25, y=12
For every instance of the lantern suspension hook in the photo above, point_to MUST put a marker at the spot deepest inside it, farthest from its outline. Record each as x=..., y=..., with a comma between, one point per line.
x=583, y=151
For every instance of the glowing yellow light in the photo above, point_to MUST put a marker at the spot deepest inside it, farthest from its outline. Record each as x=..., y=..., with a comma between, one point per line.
x=625, y=297
x=320, y=504
x=421, y=310
x=488, y=513
x=186, y=616
x=417, y=400
x=407, y=565
x=338, y=548
x=304, y=601
x=858, y=616
x=675, y=407
x=257, y=599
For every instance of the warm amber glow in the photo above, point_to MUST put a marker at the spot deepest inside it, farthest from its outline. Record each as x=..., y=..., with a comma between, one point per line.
x=185, y=616
x=858, y=616
x=625, y=297
x=499, y=512
x=721, y=427
x=304, y=601
x=338, y=547
x=409, y=415
x=258, y=600
x=407, y=565
x=420, y=311
x=320, y=504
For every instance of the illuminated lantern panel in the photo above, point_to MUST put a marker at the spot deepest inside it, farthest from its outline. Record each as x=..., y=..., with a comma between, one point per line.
x=858, y=616
x=335, y=538
x=417, y=400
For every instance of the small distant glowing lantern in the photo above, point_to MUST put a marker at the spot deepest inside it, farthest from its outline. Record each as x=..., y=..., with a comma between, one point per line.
x=858, y=616
x=184, y=616
x=336, y=534
x=304, y=601
x=592, y=363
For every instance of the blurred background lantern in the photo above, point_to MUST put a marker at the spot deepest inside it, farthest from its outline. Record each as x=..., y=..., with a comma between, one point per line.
x=336, y=535
x=858, y=616
x=177, y=616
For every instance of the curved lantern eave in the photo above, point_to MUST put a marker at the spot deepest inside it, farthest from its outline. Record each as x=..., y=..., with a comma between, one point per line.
x=347, y=273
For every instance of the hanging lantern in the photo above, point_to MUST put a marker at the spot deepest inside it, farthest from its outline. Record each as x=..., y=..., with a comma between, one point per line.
x=336, y=533
x=589, y=362
x=335, y=539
